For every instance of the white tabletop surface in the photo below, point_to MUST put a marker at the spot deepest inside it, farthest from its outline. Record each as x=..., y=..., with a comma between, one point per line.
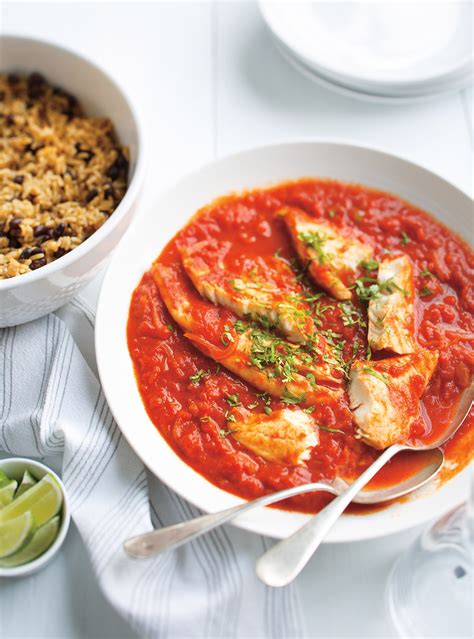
x=210, y=82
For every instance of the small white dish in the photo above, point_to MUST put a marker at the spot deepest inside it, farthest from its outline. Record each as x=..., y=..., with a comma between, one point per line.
x=14, y=467
x=381, y=48
x=357, y=93
x=254, y=168
x=27, y=297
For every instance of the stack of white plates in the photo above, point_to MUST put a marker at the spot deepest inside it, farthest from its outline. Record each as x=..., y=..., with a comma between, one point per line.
x=381, y=51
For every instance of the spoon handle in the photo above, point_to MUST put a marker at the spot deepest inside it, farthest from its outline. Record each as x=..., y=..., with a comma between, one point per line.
x=285, y=560
x=157, y=541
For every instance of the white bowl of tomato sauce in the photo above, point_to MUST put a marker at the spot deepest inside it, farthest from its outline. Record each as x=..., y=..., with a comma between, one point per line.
x=173, y=403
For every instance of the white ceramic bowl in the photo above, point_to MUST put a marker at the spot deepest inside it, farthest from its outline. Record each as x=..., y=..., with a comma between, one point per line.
x=14, y=467
x=26, y=297
x=256, y=168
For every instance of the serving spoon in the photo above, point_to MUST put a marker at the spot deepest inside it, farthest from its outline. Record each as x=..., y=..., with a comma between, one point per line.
x=157, y=541
x=285, y=560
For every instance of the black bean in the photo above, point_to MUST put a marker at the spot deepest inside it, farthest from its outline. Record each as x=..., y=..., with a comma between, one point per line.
x=2, y=229
x=29, y=252
x=15, y=223
x=60, y=252
x=113, y=172
x=58, y=231
x=13, y=243
x=42, y=230
x=91, y=195
x=41, y=261
x=9, y=120
x=30, y=148
x=19, y=179
x=31, y=198
x=84, y=154
x=119, y=166
x=109, y=192
x=35, y=85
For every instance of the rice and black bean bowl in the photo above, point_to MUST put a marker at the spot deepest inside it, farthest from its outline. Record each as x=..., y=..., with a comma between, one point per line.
x=62, y=174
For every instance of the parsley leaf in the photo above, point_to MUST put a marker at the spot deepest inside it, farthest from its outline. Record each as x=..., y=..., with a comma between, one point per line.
x=315, y=241
x=369, y=265
x=290, y=398
x=199, y=376
x=331, y=430
x=426, y=292
x=233, y=400
x=383, y=377
x=405, y=239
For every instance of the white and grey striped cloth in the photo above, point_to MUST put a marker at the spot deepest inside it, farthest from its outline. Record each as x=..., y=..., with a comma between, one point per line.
x=51, y=402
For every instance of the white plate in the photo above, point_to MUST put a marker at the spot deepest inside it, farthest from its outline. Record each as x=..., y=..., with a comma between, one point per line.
x=151, y=231
x=377, y=45
x=355, y=92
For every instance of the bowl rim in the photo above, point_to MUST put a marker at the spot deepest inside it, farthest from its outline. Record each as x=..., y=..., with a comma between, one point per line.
x=132, y=189
x=397, y=523
x=43, y=559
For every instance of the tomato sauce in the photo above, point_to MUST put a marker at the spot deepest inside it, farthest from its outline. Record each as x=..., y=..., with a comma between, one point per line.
x=192, y=414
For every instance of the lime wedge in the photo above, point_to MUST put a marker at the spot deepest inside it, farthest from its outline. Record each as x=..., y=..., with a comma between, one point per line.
x=7, y=492
x=4, y=479
x=44, y=500
x=38, y=544
x=14, y=534
x=27, y=482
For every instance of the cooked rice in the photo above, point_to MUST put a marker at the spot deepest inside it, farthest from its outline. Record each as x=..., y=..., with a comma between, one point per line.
x=61, y=174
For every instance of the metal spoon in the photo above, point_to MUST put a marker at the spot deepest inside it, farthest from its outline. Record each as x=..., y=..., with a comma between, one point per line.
x=158, y=541
x=285, y=560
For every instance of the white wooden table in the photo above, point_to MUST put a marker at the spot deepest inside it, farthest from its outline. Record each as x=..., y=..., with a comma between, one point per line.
x=210, y=82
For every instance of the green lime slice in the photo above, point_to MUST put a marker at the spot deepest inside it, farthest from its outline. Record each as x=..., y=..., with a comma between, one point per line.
x=7, y=492
x=27, y=482
x=14, y=533
x=38, y=544
x=4, y=479
x=44, y=500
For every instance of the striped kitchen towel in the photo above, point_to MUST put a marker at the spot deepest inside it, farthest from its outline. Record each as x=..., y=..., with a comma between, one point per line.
x=51, y=402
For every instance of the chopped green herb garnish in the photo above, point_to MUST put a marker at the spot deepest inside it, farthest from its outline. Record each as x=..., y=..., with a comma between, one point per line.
x=224, y=433
x=227, y=337
x=267, y=410
x=240, y=327
x=369, y=351
x=199, y=376
x=170, y=327
x=426, y=273
x=311, y=378
x=383, y=377
x=332, y=214
x=359, y=215
x=290, y=398
x=233, y=400
x=426, y=292
x=331, y=430
x=369, y=265
x=309, y=409
x=253, y=405
x=351, y=316
x=405, y=239
x=355, y=349
x=237, y=285
x=315, y=241
x=367, y=293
